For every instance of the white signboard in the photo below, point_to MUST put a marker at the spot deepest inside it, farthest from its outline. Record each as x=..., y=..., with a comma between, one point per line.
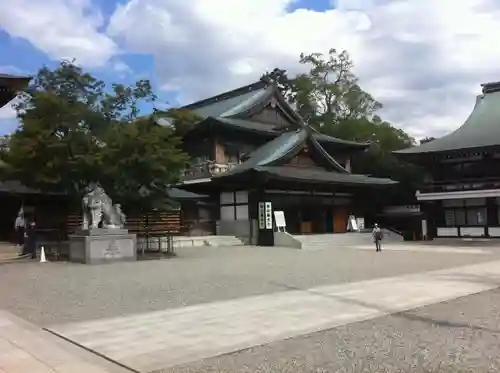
x=352, y=224
x=262, y=215
x=279, y=218
x=361, y=223
x=269, y=215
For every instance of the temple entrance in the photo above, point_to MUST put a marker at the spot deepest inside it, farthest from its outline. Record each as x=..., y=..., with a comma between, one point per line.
x=340, y=220
x=312, y=214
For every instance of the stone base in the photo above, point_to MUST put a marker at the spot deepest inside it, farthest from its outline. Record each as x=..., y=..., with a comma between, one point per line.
x=100, y=231
x=98, y=246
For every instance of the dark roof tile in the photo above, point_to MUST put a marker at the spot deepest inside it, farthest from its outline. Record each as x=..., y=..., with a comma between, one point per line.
x=324, y=176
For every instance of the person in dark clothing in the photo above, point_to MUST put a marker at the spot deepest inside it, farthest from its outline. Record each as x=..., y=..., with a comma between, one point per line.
x=19, y=230
x=377, y=237
x=30, y=241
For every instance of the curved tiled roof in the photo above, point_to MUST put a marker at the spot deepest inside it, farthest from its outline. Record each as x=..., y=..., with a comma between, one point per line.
x=481, y=129
x=231, y=109
x=323, y=176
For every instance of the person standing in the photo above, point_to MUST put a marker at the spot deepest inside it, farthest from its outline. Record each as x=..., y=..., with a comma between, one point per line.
x=377, y=237
x=19, y=226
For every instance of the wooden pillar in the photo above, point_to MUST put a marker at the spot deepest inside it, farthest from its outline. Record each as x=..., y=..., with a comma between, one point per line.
x=434, y=216
x=491, y=214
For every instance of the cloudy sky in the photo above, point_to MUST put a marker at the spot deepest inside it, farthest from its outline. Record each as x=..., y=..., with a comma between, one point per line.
x=423, y=59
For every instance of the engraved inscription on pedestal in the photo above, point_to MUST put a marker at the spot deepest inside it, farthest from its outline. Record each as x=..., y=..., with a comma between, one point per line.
x=112, y=251
x=105, y=247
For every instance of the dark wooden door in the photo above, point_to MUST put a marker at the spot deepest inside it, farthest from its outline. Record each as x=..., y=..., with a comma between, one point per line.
x=339, y=220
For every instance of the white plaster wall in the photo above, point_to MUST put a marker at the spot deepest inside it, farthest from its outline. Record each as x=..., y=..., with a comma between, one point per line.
x=472, y=231
x=447, y=232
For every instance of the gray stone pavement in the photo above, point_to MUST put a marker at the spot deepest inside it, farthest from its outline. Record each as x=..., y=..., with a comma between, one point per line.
x=60, y=293
x=156, y=340
x=25, y=348
x=458, y=336
x=55, y=293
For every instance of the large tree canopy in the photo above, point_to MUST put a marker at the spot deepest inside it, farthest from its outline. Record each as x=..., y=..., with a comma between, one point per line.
x=75, y=130
x=329, y=97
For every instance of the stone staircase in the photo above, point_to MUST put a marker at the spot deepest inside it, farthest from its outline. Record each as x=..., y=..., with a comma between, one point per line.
x=219, y=241
x=351, y=239
x=155, y=243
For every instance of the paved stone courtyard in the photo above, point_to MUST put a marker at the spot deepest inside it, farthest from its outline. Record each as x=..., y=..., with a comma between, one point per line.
x=323, y=334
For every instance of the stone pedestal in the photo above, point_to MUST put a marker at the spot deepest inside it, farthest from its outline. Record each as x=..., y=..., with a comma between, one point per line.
x=95, y=246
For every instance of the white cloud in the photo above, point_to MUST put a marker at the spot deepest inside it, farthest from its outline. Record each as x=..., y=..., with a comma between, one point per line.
x=7, y=112
x=64, y=29
x=8, y=120
x=424, y=59
x=13, y=70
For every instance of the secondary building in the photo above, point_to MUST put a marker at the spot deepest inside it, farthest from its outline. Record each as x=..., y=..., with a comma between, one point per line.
x=461, y=195
x=252, y=153
x=10, y=85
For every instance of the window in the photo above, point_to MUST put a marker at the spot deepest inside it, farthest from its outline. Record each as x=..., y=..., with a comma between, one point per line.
x=226, y=198
x=460, y=217
x=476, y=216
x=466, y=216
x=242, y=212
x=241, y=196
x=227, y=213
x=449, y=217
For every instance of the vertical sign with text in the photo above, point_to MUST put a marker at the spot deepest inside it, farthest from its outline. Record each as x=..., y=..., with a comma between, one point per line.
x=262, y=215
x=269, y=215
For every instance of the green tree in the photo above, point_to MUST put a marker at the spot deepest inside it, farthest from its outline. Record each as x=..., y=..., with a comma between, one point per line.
x=282, y=81
x=180, y=120
x=75, y=130
x=141, y=159
x=329, y=97
x=329, y=92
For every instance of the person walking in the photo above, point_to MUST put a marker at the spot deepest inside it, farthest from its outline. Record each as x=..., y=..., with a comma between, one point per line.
x=377, y=237
x=19, y=226
x=30, y=242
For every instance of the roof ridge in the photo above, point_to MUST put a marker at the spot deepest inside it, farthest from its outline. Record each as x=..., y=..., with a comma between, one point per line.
x=228, y=94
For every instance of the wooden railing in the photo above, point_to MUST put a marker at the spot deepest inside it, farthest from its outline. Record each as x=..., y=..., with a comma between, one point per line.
x=155, y=223
x=461, y=185
x=152, y=223
x=206, y=169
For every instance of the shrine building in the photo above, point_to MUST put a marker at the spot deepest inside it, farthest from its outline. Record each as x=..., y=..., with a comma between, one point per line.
x=461, y=194
x=251, y=147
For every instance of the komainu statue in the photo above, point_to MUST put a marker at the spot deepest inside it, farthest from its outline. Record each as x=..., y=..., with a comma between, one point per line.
x=98, y=207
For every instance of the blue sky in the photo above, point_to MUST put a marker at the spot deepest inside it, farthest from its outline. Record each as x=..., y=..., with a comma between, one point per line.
x=19, y=56
x=424, y=60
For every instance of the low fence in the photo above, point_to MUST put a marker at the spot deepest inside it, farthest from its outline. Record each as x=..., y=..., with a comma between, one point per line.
x=155, y=233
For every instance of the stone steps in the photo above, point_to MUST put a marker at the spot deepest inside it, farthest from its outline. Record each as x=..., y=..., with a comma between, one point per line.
x=155, y=243
x=220, y=241
x=324, y=241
